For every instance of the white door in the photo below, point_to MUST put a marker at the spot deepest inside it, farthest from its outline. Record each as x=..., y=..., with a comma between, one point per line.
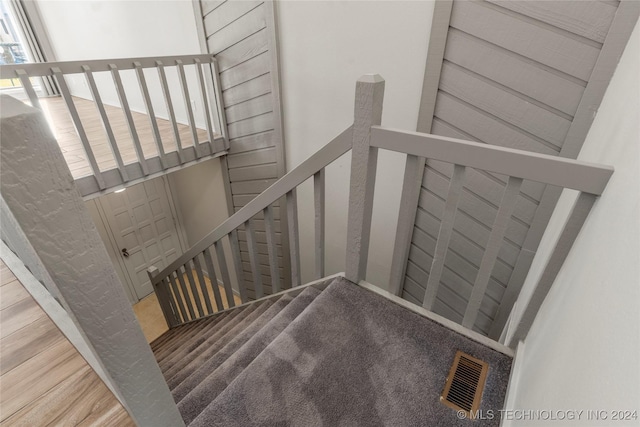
x=144, y=230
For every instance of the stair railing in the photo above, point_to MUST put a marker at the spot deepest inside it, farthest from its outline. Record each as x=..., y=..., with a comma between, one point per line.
x=184, y=296
x=198, y=78
x=364, y=138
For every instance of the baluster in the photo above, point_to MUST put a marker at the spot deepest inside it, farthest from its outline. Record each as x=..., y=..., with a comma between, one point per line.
x=162, y=295
x=294, y=245
x=237, y=264
x=31, y=93
x=176, y=295
x=142, y=82
x=169, y=103
x=172, y=303
x=122, y=96
x=444, y=235
x=203, y=284
x=224, y=271
x=194, y=290
x=213, y=279
x=93, y=88
x=272, y=248
x=73, y=112
x=221, y=116
x=185, y=293
x=508, y=203
x=411, y=185
x=205, y=104
x=187, y=105
x=253, y=255
x=318, y=197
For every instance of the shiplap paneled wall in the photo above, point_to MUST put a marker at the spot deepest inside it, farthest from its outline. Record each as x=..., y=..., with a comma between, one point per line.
x=242, y=36
x=513, y=74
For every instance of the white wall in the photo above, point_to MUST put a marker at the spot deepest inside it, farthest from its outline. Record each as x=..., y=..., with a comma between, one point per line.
x=199, y=195
x=582, y=350
x=105, y=29
x=324, y=48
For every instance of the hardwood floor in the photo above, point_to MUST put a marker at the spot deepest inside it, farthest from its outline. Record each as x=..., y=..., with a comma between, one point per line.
x=63, y=129
x=150, y=315
x=44, y=381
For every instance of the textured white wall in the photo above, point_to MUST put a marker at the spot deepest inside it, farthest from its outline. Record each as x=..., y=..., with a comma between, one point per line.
x=324, y=48
x=582, y=350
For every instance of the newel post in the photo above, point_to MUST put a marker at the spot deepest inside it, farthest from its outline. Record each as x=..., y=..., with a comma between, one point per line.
x=38, y=188
x=163, y=298
x=364, y=159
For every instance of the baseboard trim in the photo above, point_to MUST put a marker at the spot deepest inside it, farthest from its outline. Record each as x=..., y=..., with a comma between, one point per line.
x=514, y=382
x=486, y=341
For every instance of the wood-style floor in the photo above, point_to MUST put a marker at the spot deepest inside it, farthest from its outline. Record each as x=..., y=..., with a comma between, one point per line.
x=64, y=131
x=44, y=381
x=150, y=315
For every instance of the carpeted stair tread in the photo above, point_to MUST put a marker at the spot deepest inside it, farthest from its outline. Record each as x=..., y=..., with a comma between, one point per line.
x=198, y=334
x=208, y=361
x=354, y=358
x=197, y=391
x=182, y=358
x=189, y=330
x=221, y=328
x=194, y=331
x=171, y=333
x=208, y=349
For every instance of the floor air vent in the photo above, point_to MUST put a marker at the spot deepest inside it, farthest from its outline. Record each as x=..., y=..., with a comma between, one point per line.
x=463, y=389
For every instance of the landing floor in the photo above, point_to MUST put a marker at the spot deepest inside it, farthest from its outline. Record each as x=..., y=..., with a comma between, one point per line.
x=64, y=131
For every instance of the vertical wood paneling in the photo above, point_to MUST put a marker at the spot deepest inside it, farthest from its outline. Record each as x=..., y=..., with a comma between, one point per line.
x=517, y=75
x=446, y=228
x=242, y=35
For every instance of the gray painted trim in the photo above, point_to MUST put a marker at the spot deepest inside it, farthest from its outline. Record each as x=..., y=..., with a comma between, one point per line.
x=621, y=28
x=96, y=65
x=88, y=187
x=568, y=173
x=364, y=160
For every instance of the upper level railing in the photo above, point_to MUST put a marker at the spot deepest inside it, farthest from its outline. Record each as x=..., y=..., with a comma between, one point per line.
x=364, y=138
x=179, y=95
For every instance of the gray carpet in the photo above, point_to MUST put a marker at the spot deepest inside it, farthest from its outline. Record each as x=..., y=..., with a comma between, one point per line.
x=344, y=356
x=193, y=396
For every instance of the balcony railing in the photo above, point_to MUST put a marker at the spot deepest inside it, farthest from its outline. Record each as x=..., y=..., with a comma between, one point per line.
x=179, y=95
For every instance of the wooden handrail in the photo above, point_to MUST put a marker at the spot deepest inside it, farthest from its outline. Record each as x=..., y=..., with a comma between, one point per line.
x=326, y=155
x=42, y=69
x=559, y=171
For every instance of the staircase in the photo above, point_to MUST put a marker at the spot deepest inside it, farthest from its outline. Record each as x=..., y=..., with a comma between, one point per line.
x=324, y=354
